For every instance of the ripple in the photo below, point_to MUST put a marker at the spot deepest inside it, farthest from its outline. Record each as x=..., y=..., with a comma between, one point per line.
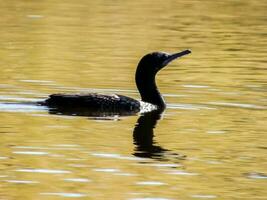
x=188, y=107
x=22, y=181
x=46, y=148
x=183, y=173
x=78, y=165
x=14, y=98
x=238, y=105
x=66, y=145
x=116, y=156
x=216, y=132
x=256, y=175
x=64, y=194
x=30, y=152
x=48, y=171
x=125, y=174
x=175, y=95
x=35, y=16
x=163, y=165
x=109, y=170
x=75, y=159
x=36, y=81
x=195, y=86
x=152, y=183
x=200, y=196
x=16, y=107
x=214, y=162
x=80, y=180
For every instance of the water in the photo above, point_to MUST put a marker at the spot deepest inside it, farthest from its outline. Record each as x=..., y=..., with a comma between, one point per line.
x=210, y=143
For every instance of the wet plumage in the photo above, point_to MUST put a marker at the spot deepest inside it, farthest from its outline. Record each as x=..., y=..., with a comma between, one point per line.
x=145, y=75
x=94, y=101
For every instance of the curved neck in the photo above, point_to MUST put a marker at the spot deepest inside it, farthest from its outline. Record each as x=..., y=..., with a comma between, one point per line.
x=148, y=90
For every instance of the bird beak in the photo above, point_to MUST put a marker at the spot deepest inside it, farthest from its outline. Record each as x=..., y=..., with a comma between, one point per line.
x=174, y=56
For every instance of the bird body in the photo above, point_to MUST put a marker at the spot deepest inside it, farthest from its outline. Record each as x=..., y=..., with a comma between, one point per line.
x=94, y=101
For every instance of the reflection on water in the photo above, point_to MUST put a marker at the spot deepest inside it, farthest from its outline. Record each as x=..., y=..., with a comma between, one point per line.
x=143, y=135
x=143, y=132
x=210, y=143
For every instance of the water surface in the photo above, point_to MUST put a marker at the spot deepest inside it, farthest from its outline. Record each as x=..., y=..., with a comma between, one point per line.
x=210, y=143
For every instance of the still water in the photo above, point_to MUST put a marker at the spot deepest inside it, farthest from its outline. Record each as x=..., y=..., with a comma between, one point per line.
x=210, y=143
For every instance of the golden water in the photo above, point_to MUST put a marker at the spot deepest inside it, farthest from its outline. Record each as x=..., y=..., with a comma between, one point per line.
x=211, y=140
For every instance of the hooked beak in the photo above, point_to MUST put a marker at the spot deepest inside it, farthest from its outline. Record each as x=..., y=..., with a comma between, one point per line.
x=174, y=56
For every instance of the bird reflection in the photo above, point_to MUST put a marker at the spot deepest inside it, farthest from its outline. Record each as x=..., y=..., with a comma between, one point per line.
x=91, y=113
x=143, y=133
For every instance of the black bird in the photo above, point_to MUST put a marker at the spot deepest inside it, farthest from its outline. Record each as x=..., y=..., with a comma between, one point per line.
x=145, y=75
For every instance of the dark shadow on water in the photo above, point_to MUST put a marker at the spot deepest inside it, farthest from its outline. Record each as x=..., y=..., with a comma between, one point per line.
x=143, y=138
x=143, y=133
x=91, y=113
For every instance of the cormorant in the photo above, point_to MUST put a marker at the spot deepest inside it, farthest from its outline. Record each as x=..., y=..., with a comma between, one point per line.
x=145, y=75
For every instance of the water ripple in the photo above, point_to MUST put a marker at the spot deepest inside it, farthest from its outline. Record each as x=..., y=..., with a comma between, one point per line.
x=109, y=170
x=238, y=105
x=196, y=86
x=46, y=148
x=64, y=194
x=39, y=153
x=48, y=171
x=188, y=107
x=20, y=107
x=183, y=173
x=255, y=175
x=116, y=156
x=201, y=196
x=152, y=183
x=80, y=180
x=22, y=181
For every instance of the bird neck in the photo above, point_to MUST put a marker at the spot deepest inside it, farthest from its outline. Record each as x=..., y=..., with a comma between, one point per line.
x=148, y=90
